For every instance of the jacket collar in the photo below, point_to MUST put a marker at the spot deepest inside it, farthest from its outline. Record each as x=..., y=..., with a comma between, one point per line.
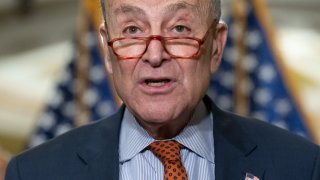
x=235, y=150
x=100, y=153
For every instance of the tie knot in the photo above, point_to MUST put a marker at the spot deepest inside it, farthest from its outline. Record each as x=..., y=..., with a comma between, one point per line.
x=166, y=151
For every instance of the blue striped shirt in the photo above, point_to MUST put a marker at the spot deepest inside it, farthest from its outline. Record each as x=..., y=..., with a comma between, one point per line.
x=137, y=163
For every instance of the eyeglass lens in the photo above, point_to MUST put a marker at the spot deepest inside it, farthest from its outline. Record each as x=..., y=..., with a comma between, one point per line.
x=181, y=47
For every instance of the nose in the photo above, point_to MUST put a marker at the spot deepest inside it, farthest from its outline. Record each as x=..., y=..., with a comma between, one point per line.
x=155, y=54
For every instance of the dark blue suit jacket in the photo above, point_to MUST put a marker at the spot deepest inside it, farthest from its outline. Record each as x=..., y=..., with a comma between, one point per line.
x=241, y=145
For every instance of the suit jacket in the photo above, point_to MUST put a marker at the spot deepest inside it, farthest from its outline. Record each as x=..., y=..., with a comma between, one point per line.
x=241, y=145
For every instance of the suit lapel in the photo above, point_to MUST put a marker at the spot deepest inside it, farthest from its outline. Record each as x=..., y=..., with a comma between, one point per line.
x=100, y=154
x=235, y=152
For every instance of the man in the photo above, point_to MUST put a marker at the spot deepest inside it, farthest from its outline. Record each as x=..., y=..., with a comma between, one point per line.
x=162, y=54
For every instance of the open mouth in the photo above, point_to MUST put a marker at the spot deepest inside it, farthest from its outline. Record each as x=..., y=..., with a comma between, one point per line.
x=157, y=82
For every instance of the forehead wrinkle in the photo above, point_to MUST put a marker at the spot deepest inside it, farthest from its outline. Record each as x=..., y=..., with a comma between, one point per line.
x=181, y=5
x=127, y=9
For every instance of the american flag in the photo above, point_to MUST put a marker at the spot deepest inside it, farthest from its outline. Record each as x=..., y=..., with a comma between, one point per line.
x=83, y=94
x=250, y=79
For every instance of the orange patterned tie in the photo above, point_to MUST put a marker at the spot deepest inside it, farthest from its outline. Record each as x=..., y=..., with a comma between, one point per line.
x=169, y=154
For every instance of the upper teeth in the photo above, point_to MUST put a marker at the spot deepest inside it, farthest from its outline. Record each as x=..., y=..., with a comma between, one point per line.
x=156, y=83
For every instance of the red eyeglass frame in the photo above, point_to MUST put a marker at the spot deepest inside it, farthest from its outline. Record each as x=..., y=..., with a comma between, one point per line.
x=162, y=40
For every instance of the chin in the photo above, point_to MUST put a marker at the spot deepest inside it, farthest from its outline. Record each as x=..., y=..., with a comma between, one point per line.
x=163, y=115
x=157, y=112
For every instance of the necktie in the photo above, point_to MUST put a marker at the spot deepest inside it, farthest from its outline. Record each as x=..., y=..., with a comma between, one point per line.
x=169, y=154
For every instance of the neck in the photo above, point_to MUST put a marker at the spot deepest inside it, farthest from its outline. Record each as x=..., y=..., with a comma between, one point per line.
x=169, y=130
x=165, y=131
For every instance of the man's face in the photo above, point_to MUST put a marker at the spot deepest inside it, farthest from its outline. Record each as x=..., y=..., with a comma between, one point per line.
x=157, y=88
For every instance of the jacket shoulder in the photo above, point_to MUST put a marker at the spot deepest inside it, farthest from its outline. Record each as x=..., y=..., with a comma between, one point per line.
x=61, y=158
x=267, y=134
x=283, y=153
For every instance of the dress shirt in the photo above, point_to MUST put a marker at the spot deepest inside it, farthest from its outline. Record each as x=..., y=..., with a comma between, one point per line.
x=138, y=163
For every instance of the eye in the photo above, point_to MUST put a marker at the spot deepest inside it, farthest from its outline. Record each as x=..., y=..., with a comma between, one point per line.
x=131, y=30
x=181, y=28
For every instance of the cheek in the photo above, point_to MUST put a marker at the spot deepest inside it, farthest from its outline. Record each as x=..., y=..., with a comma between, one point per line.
x=197, y=77
x=123, y=76
x=124, y=68
x=202, y=78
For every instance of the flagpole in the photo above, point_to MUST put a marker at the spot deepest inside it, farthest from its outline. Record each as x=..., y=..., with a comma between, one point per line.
x=239, y=30
x=82, y=68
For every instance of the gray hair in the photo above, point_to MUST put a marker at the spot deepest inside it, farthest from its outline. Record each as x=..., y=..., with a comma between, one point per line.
x=215, y=6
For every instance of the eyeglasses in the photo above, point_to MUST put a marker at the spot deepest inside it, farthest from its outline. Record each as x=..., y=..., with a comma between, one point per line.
x=177, y=47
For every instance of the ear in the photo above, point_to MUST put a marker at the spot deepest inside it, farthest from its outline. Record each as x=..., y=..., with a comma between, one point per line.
x=219, y=42
x=104, y=41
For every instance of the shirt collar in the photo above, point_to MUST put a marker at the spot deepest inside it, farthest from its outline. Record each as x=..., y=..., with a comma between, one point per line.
x=197, y=136
x=133, y=138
